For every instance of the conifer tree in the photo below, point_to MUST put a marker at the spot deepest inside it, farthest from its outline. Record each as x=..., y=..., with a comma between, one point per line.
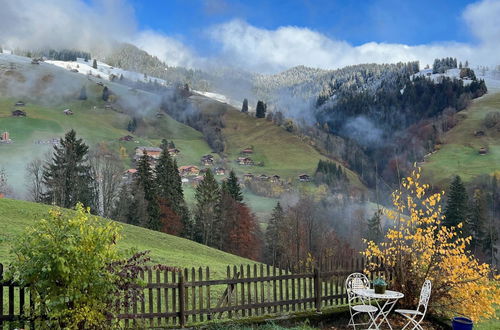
x=144, y=180
x=260, y=110
x=105, y=93
x=374, y=228
x=478, y=218
x=83, y=93
x=456, y=210
x=244, y=107
x=206, y=213
x=94, y=64
x=233, y=187
x=68, y=177
x=273, y=243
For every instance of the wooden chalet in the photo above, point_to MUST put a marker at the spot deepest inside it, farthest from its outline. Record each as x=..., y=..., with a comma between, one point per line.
x=189, y=170
x=247, y=161
x=68, y=112
x=275, y=178
x=18, y=113
x=220, y=171
x=152, y=152
x=19, y=104
x=304, y=178
x=247, y=151
x=174, y=151
x=207, y=160
x=127, y=138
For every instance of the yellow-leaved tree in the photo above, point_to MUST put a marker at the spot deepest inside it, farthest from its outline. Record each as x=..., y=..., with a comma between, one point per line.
x=419, y=247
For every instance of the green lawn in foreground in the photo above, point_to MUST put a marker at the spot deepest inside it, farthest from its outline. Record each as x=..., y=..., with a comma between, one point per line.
x=15, y=216
x=459, y=152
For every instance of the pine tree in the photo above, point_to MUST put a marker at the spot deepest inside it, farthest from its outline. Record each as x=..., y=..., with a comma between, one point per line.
x=94, y=64
x=145, y=180
x=273, y=244
x=374, y=228
x=68, y=177
x=83, y=93
x=105, y=93
x=206, y=213
x=260, y=110
x=233, y=187
x=456, y=210
x=244, y=108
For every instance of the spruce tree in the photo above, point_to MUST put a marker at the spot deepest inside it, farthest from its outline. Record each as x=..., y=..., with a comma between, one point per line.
x=68, y=176
x=478, y=218
x=374, y=228
x=260, y=110
x=105, y=93
x=244, y=108
x=94, y=64
x=206, y=213
x=83, y=93
x=233, y=187
x=145, y=180
x=273, y=244
x=456, y=210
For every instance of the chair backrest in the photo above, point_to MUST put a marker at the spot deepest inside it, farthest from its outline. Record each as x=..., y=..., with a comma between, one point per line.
x=425, y=295
x=353, y=282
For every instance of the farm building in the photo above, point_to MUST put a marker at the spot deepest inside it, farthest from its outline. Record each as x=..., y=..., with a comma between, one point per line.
x=245, y=161
x=263, y=177
x=220, y=171
x=275, y=178
x=483, y=151
x=207, y=160
x=68, y=112
x=189, y=170
x=18, y=113
x=248, y=176
x=20, y=104
x=247, y=151
x=478, y=133
x=152, y=152
x=304, y=178
x=174, y=151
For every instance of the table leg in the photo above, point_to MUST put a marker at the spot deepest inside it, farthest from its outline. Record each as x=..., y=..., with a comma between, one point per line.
x=384, y=311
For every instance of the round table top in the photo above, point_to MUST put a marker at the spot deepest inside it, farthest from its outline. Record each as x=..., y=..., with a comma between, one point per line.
x=370, y=293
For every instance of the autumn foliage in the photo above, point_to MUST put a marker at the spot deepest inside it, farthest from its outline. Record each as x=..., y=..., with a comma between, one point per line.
x=418, y=246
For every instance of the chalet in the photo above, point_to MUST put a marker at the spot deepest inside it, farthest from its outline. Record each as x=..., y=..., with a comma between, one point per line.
x=197, y=179
x=207, y=160
x=18, y=113
x=185, y=180
x=160, y=115
x=152, y=152
x=248, y=176
x=127, y=138
x=100, y=83
x=304, y=178
x=189, y=170
x=108, y=107
x=479, y=133
x=173, y=151
x=247, y=151
x=220, y=171
x=19, y=104
x=483, y=151
x=245, y=161
x=263, y=177
x=68, y=112
x=35, y=61
x=203, y=171
x=275, y=178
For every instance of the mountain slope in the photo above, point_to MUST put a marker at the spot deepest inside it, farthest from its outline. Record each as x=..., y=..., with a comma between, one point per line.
x=15, y=216
x=459, y=153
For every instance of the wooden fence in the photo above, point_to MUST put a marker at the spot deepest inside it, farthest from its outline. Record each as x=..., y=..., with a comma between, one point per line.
x=191, y=296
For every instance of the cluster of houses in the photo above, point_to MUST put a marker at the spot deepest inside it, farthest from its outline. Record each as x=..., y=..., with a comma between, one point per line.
x=19, y=112
x=5, y=138
x=53, y=141
x=274, y=179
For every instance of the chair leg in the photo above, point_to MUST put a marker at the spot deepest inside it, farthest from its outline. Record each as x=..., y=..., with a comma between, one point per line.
x=411, y=320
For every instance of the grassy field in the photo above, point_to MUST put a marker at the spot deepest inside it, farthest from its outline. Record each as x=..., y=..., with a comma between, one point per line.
x=15, y=216
x=459, y=152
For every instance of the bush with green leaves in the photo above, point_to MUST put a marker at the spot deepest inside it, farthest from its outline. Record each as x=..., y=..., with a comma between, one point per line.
x=72, y=265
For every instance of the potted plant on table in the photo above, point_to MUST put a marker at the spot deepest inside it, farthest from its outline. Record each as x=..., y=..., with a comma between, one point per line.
x=379, y=285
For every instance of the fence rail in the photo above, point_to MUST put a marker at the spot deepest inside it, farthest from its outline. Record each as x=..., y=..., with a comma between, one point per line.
x=191, y=296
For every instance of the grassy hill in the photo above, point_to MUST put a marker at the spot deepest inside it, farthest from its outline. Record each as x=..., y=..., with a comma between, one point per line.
x=15, y=216
x=459, y=153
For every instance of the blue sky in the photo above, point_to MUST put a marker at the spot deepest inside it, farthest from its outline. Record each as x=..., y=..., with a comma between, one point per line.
x=357, y=22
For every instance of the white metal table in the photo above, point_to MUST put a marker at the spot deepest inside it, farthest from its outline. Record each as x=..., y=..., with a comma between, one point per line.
x=385, y=302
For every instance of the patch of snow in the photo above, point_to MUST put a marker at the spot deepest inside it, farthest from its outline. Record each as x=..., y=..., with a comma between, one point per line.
x=220, y=98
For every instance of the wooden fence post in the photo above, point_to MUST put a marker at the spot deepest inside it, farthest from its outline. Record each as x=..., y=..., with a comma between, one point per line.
x=317, y=289
x=182, y=302
x=1, y=295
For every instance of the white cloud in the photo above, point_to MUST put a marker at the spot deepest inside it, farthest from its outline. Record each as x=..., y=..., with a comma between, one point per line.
x=274, y=50
x=167, y=49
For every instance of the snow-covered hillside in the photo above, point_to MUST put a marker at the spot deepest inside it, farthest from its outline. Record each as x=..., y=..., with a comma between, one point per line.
x=437, y=77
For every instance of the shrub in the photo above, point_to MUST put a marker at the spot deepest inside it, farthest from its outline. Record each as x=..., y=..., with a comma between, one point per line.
x=492, y=119
x=70, y=262
x=419, y=247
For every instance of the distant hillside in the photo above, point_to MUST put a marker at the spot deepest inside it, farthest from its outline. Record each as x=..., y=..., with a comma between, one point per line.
x=460, y=151
x=15, y=216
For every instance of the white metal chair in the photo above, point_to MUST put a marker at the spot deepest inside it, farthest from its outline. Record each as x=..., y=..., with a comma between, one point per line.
x=415, y=317
x=353, y=282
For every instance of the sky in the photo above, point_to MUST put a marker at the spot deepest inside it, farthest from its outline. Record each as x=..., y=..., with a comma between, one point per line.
x=263, y=36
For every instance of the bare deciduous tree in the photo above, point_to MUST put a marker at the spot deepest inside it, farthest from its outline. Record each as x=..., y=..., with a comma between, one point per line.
x=34, y=175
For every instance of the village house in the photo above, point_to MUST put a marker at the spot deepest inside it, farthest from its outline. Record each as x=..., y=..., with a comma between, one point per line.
x=220, y=171
x=173, y=151
x=207, y=160
x=275, y=178
x=160, y=115
x=304, y=178
x=68, y=112
x=248, y=176
x=152, y=152
x=247, y=151
x=184, y=180
x=263, y=177
x=18, y=113
x=189, y=170
x=19, y=104
x=196, y=180
x=483, y=151
x=245, y=161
